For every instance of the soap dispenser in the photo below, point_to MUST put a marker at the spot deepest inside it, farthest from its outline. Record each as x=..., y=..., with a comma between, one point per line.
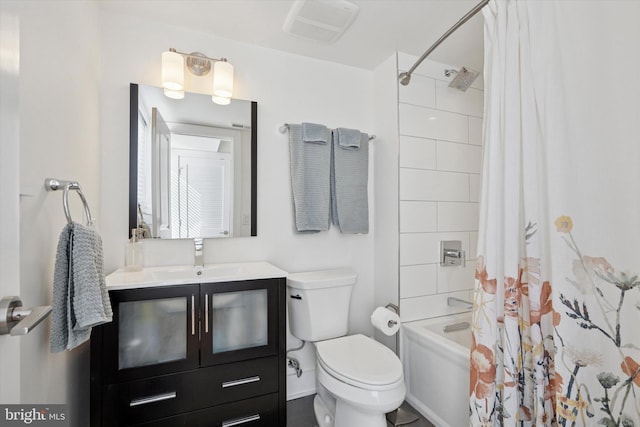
x=133, y=254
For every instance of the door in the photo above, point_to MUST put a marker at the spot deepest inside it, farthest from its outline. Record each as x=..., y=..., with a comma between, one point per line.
x=202, y=200
x=154, y=331
x=10, y=196
x=161, y=170
x=239, y=320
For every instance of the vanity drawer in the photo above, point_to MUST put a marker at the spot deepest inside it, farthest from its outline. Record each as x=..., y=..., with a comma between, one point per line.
x=168, y=395
x=256, y=412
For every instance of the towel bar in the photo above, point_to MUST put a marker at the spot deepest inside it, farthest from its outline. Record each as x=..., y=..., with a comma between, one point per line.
x=53, y=184
x=285, y=127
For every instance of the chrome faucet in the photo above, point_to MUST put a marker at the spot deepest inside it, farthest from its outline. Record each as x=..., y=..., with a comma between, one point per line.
x=198, y=257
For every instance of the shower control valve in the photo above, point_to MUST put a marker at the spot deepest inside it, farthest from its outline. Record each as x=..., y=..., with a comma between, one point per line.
x=451, y=253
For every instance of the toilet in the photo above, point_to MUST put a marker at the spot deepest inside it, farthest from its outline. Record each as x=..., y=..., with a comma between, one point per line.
x=358, y=380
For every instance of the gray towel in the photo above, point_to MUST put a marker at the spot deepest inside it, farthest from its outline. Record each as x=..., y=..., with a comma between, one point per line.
x=318, y=134
x=310, y=181
x=80, y=297
x=348, y=138
x=349, y=178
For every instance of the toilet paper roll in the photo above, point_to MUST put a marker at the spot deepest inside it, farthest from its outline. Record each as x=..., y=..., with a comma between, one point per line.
x=385, y=321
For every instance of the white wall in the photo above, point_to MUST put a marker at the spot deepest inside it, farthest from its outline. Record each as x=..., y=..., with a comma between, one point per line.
x=58, y=133
x=386, y=273
x=288, y=89
x=440, y=154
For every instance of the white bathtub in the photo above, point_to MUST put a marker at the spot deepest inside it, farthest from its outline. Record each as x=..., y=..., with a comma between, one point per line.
x=436, y=369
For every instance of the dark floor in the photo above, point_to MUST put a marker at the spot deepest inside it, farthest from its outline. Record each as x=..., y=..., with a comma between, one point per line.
x=300, y=414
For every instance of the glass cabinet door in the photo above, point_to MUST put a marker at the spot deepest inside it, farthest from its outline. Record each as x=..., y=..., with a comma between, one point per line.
x=154, y=330
x=239, y=320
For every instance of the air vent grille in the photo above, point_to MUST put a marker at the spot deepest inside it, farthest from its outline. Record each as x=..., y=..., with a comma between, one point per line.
x=320, y=20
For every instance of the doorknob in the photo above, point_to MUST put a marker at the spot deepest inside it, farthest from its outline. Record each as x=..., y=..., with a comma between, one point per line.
x=17, y=320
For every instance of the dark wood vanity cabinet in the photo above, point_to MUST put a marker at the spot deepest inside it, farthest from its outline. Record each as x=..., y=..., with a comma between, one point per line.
x=210, y=354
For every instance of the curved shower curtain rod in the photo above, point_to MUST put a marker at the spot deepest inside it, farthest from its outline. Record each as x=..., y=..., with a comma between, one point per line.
x=405, y=77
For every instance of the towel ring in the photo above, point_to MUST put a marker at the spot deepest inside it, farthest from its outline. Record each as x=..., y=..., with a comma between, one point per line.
x=52, y=184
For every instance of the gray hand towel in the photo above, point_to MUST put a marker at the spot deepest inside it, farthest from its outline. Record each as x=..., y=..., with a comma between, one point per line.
x=348, y=138
x=310, y=181
x=349, y=179
x=318, y=134
x=80, y=297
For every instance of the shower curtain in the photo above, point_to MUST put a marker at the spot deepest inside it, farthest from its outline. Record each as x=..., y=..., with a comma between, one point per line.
x=556, y=323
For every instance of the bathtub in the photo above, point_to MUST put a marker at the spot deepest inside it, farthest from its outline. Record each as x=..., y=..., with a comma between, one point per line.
x=436, y=368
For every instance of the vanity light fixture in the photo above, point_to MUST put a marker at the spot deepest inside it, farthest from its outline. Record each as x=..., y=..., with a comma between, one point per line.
x=173, y=65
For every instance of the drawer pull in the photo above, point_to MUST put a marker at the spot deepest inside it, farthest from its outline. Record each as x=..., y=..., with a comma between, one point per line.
x=153, y=399
x=241, y=382
x=239, y=421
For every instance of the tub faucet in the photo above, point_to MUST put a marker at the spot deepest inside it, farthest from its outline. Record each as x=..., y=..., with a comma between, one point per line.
x=457, y=302
x=198, y=256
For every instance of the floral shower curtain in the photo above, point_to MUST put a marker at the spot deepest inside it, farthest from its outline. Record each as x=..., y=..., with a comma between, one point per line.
x=556, y=325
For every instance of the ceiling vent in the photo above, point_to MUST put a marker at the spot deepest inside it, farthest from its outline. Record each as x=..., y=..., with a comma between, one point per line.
x=320, y=20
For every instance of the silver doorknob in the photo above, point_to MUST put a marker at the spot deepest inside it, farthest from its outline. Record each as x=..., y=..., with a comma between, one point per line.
x=17, y=320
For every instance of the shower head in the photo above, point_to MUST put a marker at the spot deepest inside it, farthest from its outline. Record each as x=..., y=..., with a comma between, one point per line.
x=463, y=79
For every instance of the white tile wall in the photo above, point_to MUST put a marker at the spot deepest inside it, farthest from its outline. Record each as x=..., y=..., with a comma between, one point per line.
x=424, y=248
x=418, y=216
x=440, y=166
x=419, y=153
x=418, y=184
x=474, y=187
x=473, y=245
x=421, y=91
x=457, y=216
x=454, y=279
x=475, y=130
x=455, y=157
x=450, y=99
x=418, y=280
x=436, y=124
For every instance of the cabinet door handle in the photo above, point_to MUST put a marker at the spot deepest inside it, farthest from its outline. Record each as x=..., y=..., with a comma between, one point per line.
x=240, y=381
x=153, y=399
x=206, y=313
x=193, y=314
x=239, y=421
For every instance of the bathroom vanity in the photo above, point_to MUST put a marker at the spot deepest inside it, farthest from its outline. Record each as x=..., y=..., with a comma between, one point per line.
x=192, y=346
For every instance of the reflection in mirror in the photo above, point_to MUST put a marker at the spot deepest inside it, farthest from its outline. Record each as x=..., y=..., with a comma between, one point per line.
x=192, y=166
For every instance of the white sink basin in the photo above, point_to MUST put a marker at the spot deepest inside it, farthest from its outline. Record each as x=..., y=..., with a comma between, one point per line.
x=183, y=274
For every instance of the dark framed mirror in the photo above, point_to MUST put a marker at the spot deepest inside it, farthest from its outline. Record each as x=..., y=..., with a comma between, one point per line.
x=192, y=165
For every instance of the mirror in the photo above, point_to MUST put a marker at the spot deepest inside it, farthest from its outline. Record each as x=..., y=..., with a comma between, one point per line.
x=192, y=165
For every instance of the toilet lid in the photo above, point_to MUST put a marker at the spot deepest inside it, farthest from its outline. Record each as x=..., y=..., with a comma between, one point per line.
x=359, y=359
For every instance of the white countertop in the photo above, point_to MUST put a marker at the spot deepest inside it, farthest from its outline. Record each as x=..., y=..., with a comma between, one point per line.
x=187, y=274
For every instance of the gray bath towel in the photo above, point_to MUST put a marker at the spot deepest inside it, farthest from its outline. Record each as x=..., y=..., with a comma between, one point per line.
x=80, y=297
x=312, y=132
x=349, y=178
x=310, y=181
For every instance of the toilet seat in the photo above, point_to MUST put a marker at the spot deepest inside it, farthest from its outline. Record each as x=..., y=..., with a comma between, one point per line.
x=360, y=361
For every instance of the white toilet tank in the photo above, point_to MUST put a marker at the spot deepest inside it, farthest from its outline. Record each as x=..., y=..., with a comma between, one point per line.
x=319, y=303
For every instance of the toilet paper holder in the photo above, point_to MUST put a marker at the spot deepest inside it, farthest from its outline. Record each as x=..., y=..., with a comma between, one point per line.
x=395, y=309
